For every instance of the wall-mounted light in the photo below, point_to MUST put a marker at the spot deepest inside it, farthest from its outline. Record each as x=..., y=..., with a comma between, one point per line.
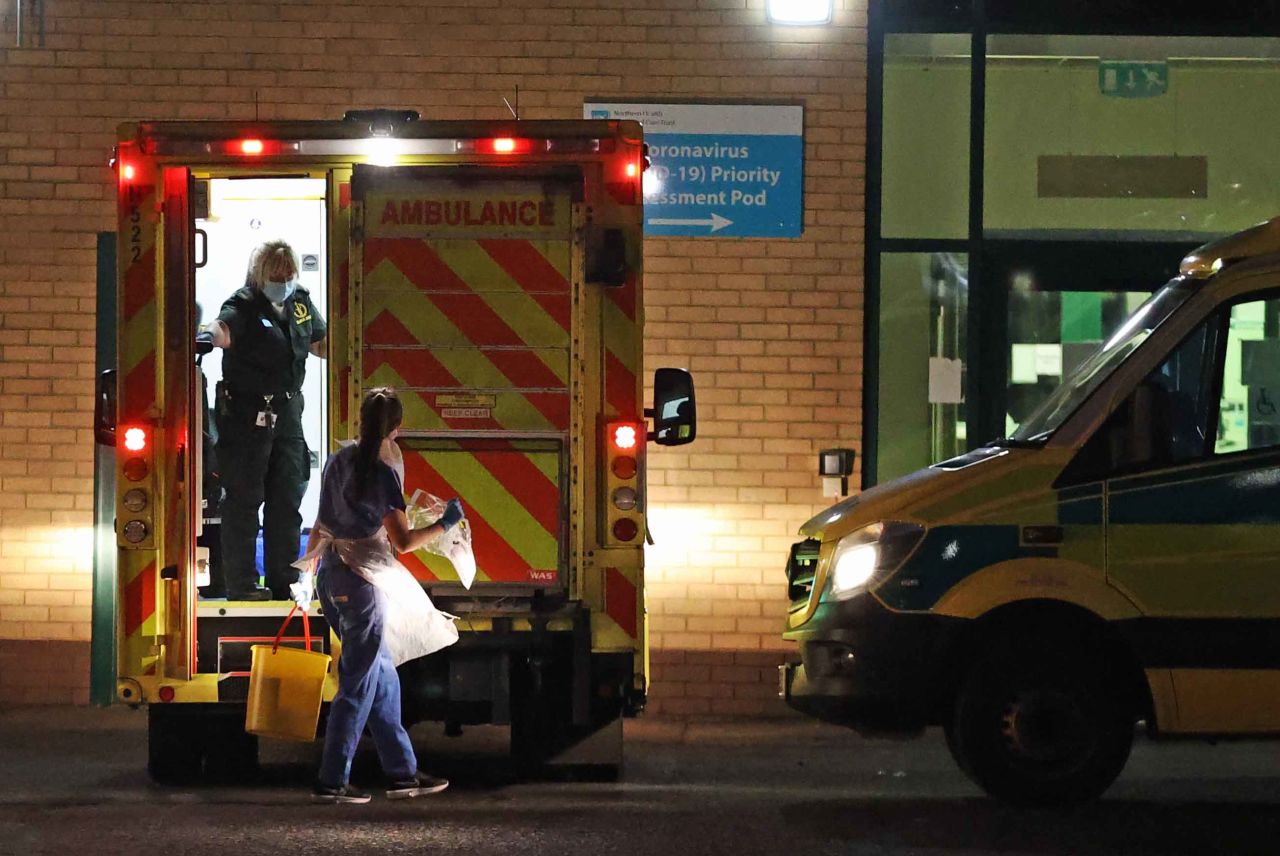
x=799, y=13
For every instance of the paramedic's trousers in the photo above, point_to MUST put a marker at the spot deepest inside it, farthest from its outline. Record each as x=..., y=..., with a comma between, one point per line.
x=268, y=468
x=368, y=686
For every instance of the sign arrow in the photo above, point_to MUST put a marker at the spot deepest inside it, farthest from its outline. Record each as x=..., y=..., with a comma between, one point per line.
x=716, y=222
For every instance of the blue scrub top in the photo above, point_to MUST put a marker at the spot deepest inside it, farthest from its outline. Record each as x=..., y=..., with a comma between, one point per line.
x=347, y=517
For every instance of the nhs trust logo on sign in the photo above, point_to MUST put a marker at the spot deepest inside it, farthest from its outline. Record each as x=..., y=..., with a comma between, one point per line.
x=724, y=170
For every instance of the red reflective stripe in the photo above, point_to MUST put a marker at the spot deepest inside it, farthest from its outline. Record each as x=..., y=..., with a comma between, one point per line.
x=620, y=600
x=416, y=367
x=139, y=285
x=140, y=599
x=619, y=387
x=344, y=195
x=139, y=389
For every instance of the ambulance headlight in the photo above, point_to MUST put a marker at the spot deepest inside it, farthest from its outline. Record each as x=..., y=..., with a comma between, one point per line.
x=865, y=557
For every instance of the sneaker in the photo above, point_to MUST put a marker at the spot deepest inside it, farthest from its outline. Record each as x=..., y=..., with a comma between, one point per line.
x=419, y=786
x=344, y=794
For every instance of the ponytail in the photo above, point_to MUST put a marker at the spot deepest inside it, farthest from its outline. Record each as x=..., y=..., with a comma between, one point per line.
x=380, y=414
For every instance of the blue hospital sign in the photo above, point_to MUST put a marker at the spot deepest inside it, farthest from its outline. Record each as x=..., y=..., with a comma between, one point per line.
x=726, y=170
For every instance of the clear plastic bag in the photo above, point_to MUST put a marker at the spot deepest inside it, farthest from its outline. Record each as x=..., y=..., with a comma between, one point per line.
x=455, y=545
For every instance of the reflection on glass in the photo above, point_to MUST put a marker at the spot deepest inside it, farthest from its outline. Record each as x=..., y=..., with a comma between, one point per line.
x=1080, y=377
x=1249, y=410
x=1103, y=134
x=922, y=324
x=925, y=145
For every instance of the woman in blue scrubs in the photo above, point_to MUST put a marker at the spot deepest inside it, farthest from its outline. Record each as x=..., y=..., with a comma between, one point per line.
x=361, y=496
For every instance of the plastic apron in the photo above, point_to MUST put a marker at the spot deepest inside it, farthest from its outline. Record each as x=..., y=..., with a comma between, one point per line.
x=412, y=626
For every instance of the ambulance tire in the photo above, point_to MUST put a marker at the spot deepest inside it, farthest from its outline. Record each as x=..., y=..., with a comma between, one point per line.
x=1035, y=728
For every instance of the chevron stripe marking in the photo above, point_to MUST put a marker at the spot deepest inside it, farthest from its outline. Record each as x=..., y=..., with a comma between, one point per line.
x=491, y=549
x=620, y=386
x=140, y=599
x=527, y=484
x=620, y=600
x=139, y=285
x=140, y=387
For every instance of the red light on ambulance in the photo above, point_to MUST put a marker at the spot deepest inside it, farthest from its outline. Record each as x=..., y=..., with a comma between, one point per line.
x=624, y=436
x=632, y=170
x=252, y=147
x=135, y=439
x=127, y=172
x=506, y=146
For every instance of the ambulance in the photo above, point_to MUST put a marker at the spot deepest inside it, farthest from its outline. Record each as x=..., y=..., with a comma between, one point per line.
x=1114, y=561
x=491, y=272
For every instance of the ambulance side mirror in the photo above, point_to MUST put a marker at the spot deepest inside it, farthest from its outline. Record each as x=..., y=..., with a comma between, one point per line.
x=675, y=410
x=104, y=409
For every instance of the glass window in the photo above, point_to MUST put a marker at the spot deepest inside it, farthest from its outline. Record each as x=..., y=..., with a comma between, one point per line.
x=1164, y=421
x=925, y=143
x=924, y=299
x=1083, y=370
x=1094, y=135
x=1249, y=411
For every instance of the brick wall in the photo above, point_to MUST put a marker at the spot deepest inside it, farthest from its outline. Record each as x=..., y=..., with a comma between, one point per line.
x=772, y=328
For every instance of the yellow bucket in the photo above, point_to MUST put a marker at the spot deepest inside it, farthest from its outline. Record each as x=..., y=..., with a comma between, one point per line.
x=285, y=689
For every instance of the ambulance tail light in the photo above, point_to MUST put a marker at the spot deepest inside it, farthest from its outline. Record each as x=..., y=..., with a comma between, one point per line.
x=135, y=439
x=622, y=495
x=624, y=436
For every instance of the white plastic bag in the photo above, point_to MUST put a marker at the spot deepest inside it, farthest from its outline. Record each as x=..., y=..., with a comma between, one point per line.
x=454, y=545
x=412, y=627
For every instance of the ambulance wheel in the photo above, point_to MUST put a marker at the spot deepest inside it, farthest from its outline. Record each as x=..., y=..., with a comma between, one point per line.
x=175, y=752
x=1039, y=729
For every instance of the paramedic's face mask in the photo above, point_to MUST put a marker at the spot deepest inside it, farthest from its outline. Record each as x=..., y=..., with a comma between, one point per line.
x=279, y=291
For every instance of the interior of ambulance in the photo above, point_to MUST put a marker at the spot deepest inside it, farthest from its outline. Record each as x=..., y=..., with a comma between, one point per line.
x=232, y=216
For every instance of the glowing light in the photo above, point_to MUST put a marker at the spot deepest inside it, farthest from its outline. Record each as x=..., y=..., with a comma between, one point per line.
x=624, y=436
x=135, y=439
x=127, y=172
x=631, y=170
x=504, y=145
x=799, y=12
x=382, y=151
x=251, y=147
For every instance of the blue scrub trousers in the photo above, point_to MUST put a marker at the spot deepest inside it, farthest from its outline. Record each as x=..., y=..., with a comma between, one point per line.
x=368, y=686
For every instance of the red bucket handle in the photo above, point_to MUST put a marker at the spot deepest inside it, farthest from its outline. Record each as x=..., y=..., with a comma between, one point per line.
x=306, y=629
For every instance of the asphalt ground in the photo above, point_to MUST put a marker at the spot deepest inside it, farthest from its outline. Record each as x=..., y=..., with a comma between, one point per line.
x=73, y=783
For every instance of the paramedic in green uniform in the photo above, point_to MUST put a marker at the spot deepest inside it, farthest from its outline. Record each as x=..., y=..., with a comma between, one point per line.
x=266, y=330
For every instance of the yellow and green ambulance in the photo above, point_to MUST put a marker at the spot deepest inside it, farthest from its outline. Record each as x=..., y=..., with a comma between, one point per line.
x=1115, y=560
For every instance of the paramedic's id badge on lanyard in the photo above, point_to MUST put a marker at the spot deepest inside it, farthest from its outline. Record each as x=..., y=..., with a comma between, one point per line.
x=266, y=416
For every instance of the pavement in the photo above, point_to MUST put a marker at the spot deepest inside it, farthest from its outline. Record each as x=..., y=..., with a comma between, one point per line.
x=73, y=783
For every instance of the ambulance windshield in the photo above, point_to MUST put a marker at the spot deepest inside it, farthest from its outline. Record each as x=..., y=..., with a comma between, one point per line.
x=1084, y=379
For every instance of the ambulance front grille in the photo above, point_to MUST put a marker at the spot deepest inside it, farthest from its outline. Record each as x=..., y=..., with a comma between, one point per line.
x=802, y=567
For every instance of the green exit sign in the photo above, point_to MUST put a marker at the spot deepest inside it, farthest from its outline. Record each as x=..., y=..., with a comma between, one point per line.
x=1133, y=79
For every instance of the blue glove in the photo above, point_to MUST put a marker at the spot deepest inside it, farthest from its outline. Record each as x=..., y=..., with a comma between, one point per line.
x=204, y=343
x=452, y=514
